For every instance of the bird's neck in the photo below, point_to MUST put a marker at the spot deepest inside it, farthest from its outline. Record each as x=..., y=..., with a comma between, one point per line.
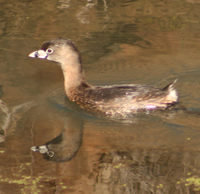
x=73, y=75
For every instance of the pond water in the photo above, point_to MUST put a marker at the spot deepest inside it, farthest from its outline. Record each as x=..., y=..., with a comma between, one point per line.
x=121, y=42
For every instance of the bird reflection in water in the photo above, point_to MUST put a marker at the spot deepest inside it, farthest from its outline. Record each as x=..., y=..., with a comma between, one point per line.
x=65, y=146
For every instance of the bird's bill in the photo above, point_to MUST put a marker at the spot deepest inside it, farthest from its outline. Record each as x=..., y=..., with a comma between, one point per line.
x=38, y=54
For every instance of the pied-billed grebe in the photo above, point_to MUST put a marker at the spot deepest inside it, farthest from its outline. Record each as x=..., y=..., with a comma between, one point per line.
x=115, y=100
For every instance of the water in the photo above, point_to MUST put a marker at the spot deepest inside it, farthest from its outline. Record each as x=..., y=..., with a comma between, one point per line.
x=144, y=42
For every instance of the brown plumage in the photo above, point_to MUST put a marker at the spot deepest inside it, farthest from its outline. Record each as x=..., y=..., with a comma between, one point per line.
x=111, y=100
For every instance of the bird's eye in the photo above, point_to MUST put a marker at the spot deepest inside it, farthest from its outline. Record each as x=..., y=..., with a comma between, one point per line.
x=49, y=50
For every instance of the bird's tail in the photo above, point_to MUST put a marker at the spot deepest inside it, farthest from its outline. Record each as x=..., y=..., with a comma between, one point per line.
x=172, y=93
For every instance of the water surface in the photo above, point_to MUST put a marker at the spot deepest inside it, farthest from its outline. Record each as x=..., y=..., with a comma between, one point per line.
x=143, y=42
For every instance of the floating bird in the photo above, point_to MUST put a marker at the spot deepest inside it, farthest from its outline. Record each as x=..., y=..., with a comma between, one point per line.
x=112, y=100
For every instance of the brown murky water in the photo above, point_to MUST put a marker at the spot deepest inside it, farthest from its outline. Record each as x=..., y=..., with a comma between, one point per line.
x=146, y=42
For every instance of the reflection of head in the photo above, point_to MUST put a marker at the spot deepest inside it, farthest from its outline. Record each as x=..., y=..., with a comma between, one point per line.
x=65, y=146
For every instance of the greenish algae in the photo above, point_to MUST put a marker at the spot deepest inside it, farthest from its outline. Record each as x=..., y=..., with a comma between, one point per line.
x=29, y=183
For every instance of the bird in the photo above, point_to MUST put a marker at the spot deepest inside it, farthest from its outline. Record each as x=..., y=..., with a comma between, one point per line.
x=110, y=100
